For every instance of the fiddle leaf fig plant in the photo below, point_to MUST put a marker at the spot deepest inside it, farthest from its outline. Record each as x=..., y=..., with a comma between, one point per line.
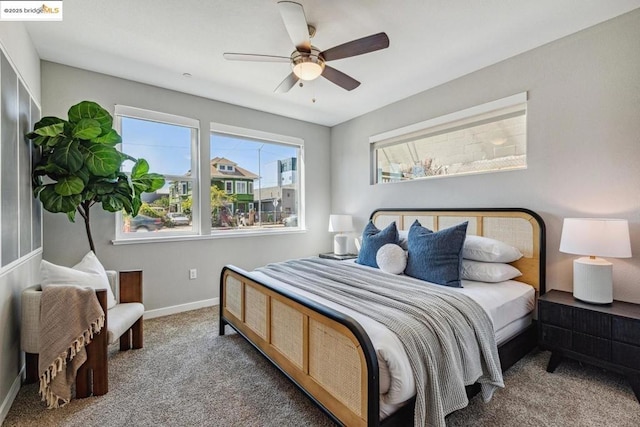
x=80, y=166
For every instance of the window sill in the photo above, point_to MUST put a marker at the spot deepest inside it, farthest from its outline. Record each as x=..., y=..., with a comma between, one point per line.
x=213, y=236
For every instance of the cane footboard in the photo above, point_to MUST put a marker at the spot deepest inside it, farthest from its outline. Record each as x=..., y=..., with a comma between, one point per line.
x=321, y=351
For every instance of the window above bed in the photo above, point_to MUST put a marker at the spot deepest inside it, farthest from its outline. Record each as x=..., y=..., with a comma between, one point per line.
x=485, y=138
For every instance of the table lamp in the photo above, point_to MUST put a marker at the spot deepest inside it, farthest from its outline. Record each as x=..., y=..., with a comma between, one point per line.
x=340, y=224
x=594, y=237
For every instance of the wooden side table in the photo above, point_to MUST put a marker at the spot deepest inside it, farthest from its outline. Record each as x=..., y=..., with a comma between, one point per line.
x=607, y=336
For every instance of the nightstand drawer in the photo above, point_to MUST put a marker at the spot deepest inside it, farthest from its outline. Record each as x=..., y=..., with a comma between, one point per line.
x=592, y=346
x=626, y=355
x=556, y=314
x=592, y=323
x=626, y=330
x=555, y=337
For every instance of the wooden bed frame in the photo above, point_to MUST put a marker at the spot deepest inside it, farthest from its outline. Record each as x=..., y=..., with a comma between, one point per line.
x=328, y=355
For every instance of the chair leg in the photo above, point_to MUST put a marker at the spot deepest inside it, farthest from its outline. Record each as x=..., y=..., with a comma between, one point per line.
x=97, y=362
x=31, y=362
x=125, y=340
x=83, y=381
x=137, y=335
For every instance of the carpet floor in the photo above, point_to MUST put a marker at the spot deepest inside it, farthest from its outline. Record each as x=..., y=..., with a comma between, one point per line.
x=186, y=375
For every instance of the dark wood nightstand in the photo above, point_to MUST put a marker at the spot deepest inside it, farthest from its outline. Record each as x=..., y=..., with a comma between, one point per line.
x=607, y=336
x=331, y=255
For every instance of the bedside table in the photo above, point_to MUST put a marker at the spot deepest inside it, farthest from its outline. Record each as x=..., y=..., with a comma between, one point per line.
x=607, y=336
x=331, y=255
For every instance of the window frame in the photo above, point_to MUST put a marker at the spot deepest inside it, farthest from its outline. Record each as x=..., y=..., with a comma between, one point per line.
x=240, y=184
x=447, y=123
x=175, y=120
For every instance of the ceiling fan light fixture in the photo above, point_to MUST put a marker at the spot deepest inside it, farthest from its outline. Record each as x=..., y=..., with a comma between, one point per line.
x=307, y=66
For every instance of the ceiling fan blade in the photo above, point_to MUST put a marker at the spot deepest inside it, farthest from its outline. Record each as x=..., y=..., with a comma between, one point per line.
x=357, y=47
x=286, y=85
x=339, y=78
x=255, y=57
x=296, y=24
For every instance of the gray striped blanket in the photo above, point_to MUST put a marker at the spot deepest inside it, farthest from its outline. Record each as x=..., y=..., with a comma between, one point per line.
x=449, y=339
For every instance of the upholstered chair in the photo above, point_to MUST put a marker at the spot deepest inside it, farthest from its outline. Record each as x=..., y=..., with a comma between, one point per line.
x=123, y=322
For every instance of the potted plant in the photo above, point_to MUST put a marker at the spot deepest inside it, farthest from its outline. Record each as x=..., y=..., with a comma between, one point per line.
x=80, y=166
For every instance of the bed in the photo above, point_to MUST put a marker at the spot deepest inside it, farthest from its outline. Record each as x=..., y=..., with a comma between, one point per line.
x=328, y=353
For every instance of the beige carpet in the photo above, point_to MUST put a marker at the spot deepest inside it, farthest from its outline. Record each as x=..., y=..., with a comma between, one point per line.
x=188, y=376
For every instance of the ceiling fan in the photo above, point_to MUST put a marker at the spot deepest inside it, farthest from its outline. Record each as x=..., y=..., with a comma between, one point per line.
x=307, y=61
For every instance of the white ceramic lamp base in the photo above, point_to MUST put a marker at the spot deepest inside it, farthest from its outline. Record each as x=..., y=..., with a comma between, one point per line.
x=593, y=280
x=340, y=244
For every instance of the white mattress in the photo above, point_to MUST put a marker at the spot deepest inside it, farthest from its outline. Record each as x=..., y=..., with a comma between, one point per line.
x=509, y=305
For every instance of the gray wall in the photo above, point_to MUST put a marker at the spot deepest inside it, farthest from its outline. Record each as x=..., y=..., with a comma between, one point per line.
x=166, y=265
x=583, y=143
x=20, y=51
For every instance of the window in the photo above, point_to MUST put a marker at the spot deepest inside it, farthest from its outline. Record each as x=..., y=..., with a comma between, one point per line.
x=268, y=192
x=170, y=144
x=253, y=185
x=485, y=138
x=241, y=187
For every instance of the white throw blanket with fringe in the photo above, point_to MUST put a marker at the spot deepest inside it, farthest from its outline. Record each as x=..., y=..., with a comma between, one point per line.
x=447, y=336
x=69, y=316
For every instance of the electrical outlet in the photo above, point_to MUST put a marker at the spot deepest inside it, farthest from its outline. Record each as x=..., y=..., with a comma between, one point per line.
x=193, y=274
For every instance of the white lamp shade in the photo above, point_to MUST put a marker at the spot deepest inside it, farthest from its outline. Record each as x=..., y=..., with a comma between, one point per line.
x=340, y=223
x=596, y=237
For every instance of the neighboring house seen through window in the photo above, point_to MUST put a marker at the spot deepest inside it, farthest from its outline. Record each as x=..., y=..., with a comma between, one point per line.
x=265, y=170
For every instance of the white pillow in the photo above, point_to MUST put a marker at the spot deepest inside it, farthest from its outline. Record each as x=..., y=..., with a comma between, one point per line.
x=403, y=239
x=484, y=249
x=87, y=273
x=491, y=272
x=391, y=258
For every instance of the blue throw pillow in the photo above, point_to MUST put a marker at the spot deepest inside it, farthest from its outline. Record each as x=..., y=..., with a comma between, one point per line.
x=373, y=239
x=436, y=257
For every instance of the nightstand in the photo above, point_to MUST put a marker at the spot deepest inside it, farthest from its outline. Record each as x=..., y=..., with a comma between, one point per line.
x=607, y=336
x=331, y=255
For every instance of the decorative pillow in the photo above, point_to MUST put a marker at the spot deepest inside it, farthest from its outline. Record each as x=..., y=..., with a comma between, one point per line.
x=373, y=239
x=87, y=273
x=403, y=239
x=484, y=249
x=436, y=257
x=491, y=272
x=391, y=258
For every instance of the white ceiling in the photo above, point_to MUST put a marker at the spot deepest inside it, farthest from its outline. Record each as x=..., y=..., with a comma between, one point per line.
x=431, y=42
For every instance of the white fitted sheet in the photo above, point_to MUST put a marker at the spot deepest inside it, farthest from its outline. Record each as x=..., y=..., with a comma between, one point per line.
x=509, y=305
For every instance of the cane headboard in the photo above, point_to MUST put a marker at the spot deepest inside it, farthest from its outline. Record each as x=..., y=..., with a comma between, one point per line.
x=517, y=227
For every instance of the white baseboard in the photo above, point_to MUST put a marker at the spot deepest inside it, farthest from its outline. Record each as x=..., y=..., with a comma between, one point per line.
x=11, y=396
x=175, y=309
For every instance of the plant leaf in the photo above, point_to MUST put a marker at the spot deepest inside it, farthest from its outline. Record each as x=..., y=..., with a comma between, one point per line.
x=47, y=121
x=136, y=203
x=54, y=202
x=87, y=129
x=157, y=182
x=72, y=216
x=69, y=185
x=110, y=138
x=102, y=160
x=91, y=110
x=51, y=130
x=84, y=175
x=68, y=156
x=104, y=187
x=139, y=169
